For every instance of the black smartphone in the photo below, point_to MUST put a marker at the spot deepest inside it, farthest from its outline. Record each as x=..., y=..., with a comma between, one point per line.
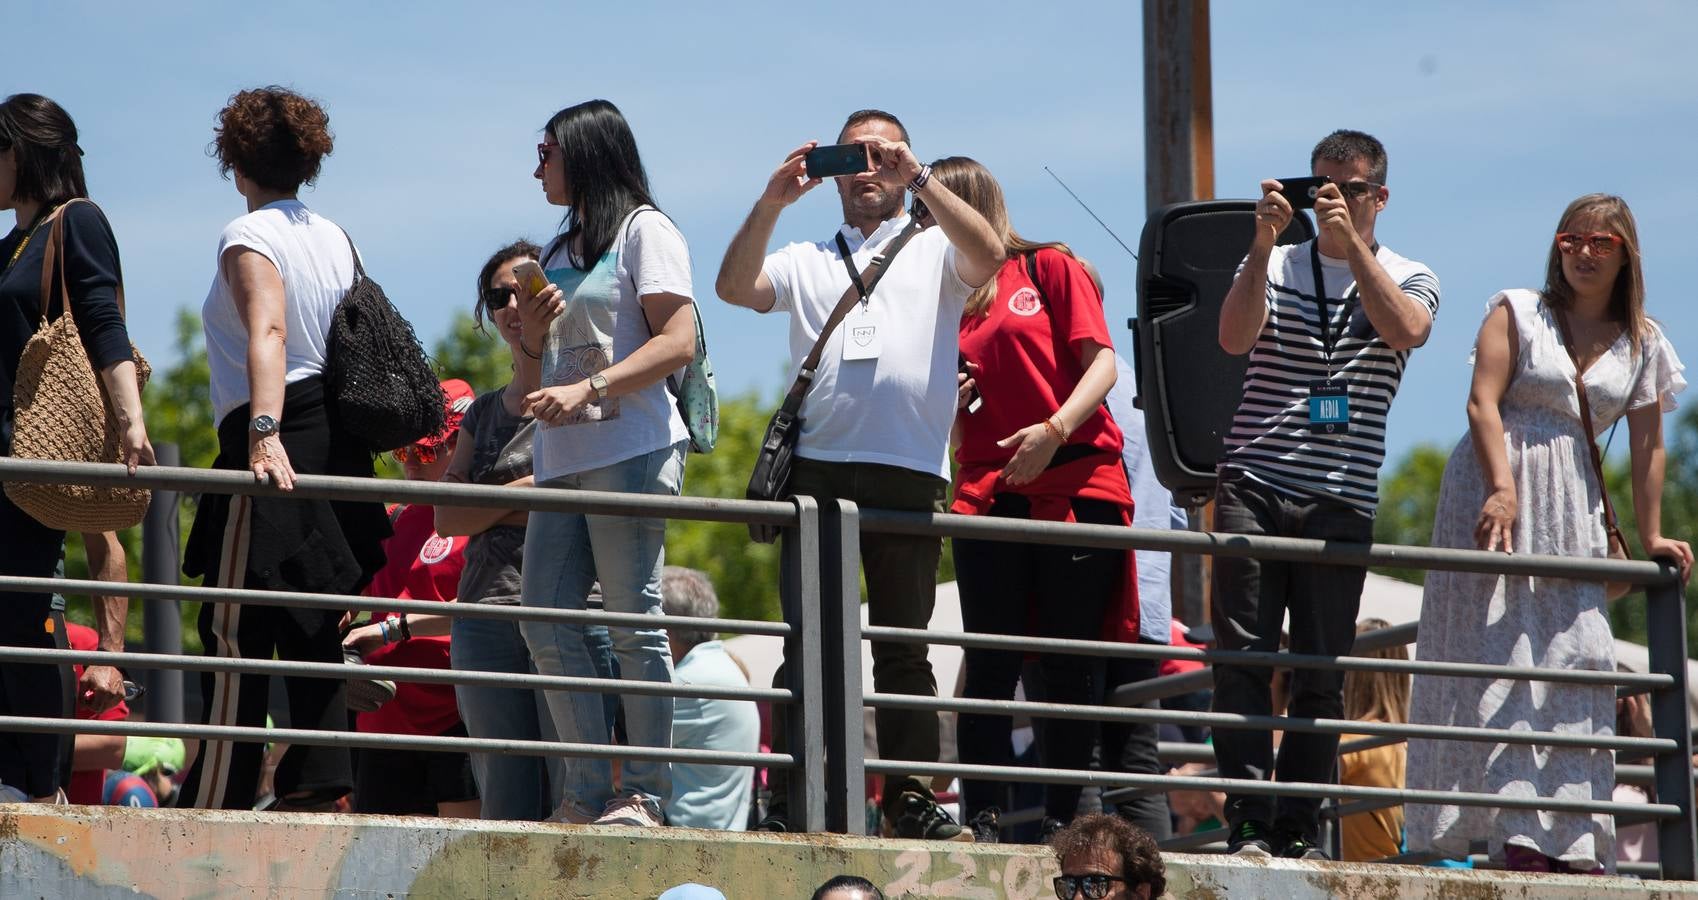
x=974, y=399
x=838, y=159
x=1300, y=192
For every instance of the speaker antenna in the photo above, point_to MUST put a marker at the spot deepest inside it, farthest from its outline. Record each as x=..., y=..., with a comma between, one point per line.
x=1093, y=213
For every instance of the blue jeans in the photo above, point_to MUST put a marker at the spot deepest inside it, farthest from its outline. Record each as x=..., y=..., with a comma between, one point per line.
x=513, y=787
x=564, y=554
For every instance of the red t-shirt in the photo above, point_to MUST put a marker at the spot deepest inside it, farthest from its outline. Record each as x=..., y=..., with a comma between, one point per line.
x=1027, y=350
x=422, y=565
x=87, y=785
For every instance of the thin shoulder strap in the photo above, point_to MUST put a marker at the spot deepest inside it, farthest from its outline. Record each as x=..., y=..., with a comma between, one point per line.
x=1610, y=522
x=1031, y=260
x=359, y=268
x=53, y=263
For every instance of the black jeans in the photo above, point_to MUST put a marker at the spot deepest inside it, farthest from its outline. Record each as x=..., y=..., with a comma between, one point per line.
x=1251, y=598
x=1043, y=591
x=1131, y=747
x=31, y=761
x=901, y=573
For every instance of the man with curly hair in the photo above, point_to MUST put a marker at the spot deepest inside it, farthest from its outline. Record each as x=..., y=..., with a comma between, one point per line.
x=1107, y=858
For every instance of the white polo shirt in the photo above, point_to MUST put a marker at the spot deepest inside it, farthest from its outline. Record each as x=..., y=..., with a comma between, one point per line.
x=896, y=409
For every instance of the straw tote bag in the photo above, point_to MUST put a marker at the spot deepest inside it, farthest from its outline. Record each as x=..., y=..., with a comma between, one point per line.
x=61, y=414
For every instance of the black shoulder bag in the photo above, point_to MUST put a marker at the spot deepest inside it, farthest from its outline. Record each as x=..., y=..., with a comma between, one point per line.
x=771, y=478
x=381, y=387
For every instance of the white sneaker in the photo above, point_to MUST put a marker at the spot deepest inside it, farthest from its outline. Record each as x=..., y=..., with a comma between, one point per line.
x=571, y=812
x=632, y=809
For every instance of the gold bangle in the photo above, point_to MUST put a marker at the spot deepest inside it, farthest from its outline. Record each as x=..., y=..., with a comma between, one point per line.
x=1059, y=437
x=1055, y=423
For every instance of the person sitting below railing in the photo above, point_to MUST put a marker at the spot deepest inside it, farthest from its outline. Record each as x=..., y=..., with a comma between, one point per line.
x=282, y=271
x=1634, y=843
x=423, y=565
x=848, y=887
x=706, y=795
x=1107, y=858
x=1374, y=697
x=1523, y=481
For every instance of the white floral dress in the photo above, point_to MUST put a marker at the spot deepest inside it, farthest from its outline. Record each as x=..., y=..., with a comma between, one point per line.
x=1525, y=621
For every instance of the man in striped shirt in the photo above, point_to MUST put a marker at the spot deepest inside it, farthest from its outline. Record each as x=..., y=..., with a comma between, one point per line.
x=1328, y=325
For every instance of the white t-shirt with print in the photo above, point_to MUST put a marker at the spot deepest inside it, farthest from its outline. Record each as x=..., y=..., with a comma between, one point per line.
x=603, y=323
x=896, y=409
x=316, y=263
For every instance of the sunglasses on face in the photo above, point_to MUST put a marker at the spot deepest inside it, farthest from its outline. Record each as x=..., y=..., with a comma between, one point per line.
x=543, y=150
x=1356, y=190
x=424, y=456
x=1092, y=887
x=496, y=298
x=1602, y=243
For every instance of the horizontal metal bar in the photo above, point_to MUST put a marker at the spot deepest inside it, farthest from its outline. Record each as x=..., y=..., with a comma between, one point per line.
x=297, y=600
x=1266, y=788
x=435, y=493
x=1164, y=686
x=1264, y=723
x=1026, y=531
x=388, y=673
x=1279, y=659
x=313, y=738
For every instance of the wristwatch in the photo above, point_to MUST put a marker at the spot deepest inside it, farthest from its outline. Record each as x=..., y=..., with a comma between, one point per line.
x=599, y=382
x=264, y=426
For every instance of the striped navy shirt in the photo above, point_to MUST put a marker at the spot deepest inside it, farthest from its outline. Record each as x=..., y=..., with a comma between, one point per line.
x=1271, y=439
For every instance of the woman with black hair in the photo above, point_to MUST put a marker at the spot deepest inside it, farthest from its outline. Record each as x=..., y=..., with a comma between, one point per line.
x=41, y=172
x=614, y=320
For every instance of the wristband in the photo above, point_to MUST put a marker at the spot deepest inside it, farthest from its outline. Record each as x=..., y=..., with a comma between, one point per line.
x=383, y=630
x=921, y=180
x=1053, y=423
x=406, y=632
x=526, y=350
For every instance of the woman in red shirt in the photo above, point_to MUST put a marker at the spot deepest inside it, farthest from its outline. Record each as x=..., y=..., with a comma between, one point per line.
x=1037, y=444
x=423, y=565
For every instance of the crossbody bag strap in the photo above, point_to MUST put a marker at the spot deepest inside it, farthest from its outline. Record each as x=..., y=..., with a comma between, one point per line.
x=1610, y=522
x=861, y=285
x=53, y=264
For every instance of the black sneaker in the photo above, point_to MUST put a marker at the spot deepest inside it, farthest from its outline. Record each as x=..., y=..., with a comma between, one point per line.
x=923, y=819
x=985, y=826
x=1250, y=838
x=1048, y=828
x=775, y=822
x=1299, y=846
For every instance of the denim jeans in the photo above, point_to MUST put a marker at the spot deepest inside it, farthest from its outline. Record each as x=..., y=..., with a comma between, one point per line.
x=565, y=553
x=517, y=788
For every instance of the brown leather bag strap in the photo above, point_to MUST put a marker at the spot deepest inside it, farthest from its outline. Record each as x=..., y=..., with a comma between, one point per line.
x=1610, y=523
x=53, y=264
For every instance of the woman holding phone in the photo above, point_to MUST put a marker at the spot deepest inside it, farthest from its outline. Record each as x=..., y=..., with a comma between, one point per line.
x=611, y=320
x=1041, y=446
x=1522, y=482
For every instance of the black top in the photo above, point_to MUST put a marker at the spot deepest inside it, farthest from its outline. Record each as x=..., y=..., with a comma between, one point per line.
x=92, y=274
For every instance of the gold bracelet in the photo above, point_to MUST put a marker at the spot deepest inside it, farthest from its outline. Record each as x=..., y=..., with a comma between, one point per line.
x=1059, y=437
x=1060, y=429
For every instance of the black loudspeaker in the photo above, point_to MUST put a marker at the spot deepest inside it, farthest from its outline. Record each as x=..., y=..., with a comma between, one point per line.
x=1188, y=386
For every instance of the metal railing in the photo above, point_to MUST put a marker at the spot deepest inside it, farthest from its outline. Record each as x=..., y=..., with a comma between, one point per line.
x=822, y=630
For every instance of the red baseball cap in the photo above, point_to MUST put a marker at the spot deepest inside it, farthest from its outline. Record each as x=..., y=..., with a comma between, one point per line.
x=460, y=396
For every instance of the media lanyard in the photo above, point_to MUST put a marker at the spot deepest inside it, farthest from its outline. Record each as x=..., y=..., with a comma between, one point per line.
x=1329, y=337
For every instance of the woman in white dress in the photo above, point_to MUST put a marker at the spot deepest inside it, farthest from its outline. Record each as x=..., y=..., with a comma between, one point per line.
x=1522, y=482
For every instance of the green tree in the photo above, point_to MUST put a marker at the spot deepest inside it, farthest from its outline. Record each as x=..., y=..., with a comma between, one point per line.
x=1408, y=497
x=479, y=357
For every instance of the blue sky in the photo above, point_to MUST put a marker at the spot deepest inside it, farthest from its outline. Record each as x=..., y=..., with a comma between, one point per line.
x=1495, y=116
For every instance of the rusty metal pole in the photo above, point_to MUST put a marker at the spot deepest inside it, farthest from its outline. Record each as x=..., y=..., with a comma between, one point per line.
x=1179, y=165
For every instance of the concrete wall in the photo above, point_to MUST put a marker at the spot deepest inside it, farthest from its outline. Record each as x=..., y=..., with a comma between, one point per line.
x=100, y=852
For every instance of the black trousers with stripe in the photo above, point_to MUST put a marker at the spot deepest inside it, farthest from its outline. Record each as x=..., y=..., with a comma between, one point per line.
x=31, y=762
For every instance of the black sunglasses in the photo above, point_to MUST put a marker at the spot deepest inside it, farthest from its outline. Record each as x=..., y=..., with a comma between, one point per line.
x=1094, y=887
x=918, y=209
x=496, y=298
x=1355, y=189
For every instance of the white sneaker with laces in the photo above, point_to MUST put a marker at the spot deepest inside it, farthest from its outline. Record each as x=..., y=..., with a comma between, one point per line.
x=632, y=809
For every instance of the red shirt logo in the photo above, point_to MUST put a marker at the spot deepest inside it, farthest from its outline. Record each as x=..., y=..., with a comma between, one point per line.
x=1025, y=302
x=436, y=549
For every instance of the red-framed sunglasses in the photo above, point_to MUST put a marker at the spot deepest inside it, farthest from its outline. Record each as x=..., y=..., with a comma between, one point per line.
x=1603, y=244
x=424, y=456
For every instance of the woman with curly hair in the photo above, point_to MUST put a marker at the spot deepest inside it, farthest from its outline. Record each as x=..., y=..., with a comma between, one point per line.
x=41, y=172
x=282, y=269
x=1107, y=858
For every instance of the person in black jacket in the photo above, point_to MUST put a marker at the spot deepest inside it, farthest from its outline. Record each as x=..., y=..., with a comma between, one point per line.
x=41, y=170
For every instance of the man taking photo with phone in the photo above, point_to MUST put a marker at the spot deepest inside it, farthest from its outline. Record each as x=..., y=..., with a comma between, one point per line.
x=878, y=411
x=1329, y=325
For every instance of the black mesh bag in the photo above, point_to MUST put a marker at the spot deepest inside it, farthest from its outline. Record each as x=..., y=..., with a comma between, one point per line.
x=382, y=389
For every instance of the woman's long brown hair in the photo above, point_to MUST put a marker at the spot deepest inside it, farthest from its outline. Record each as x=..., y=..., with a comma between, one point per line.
x=1627, y=298
x=973, y=183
